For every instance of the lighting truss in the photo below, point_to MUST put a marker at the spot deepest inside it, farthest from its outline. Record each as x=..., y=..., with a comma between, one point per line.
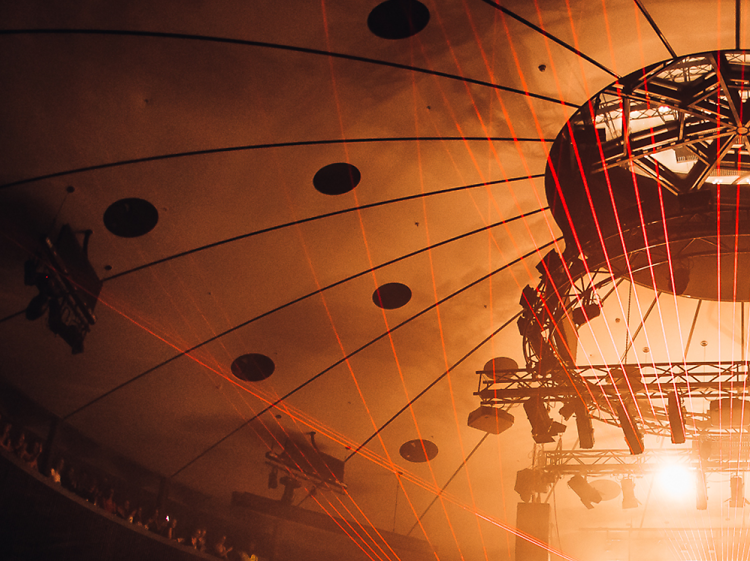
x=645, y=386
x=560, y=463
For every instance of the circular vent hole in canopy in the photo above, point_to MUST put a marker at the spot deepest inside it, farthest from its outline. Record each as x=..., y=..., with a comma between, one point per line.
x=398, y=19
x=253, y=367
x=391, y=296
x=336, y=179
x=130, y=218
x=418, y=450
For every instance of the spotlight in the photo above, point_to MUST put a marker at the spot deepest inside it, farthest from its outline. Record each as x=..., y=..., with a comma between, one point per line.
x=543, y=428
x=628, y=494
x=531, y=482
x=586, y=313
x=676, y=418
x=737, y=487
x=585, y=427
x=630, y=430
x=585, y=492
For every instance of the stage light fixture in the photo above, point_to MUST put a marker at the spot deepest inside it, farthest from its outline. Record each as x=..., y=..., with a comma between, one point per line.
x=676, y=418
x=531, y=482
x=629, y=428
x=543, y=428
x=737, y=488
x=585, y=492
x=585, y=427
x=628, y=494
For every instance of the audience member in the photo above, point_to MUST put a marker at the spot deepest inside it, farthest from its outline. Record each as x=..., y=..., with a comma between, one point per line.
x=5, y=439
x=32, y=457
x=19, y=448
x=56, y=472
x=86, y=486
x=69, y=480
x=123, y=511
x=221, y=549
x=137, y=516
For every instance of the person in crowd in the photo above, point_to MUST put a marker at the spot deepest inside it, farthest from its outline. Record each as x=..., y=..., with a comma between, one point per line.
x=70, y=480
x=202, y=541
x=93, y=494
x=5, y=439
x=137, y=516
x=195, y=538
x=32, y=457
x=156, y=522
x=109, y=504
x=124, y=511
x=19, y=448
x=220, y=548
x=170, y=530
x=55, y=474
x=252, y=556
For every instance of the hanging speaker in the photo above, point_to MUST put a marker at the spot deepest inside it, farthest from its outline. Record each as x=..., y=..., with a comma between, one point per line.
x=532, y=519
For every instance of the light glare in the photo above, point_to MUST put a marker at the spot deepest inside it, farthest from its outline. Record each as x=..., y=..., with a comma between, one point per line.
x=674, y=481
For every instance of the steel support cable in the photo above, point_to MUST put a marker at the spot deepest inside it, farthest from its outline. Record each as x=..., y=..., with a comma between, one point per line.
x=551, y=37
x=592, y=111
x=451, y=478
x=434, y=382
x=362, y=348
x=290, y=48
x=656, y=29
x=296, y=301
x=570, y=376
x=248, y=147
x=430, y=386
x=640, y=326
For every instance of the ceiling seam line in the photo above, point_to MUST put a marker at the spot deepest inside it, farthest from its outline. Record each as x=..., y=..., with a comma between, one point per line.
x=367, y=345
x=451, y=478
x=424, y=391
x=430, y=386
x=321, y=217
x=551, y=37
x=291, y=303
x=655, y=27
x=263, y=44
x=247, y=147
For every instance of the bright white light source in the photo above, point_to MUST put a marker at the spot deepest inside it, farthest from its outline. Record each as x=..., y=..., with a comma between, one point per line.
x=663, y=109
x=675, y=481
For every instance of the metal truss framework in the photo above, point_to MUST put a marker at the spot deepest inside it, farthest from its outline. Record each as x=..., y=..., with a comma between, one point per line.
x=620, y=462
x=644, y=388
